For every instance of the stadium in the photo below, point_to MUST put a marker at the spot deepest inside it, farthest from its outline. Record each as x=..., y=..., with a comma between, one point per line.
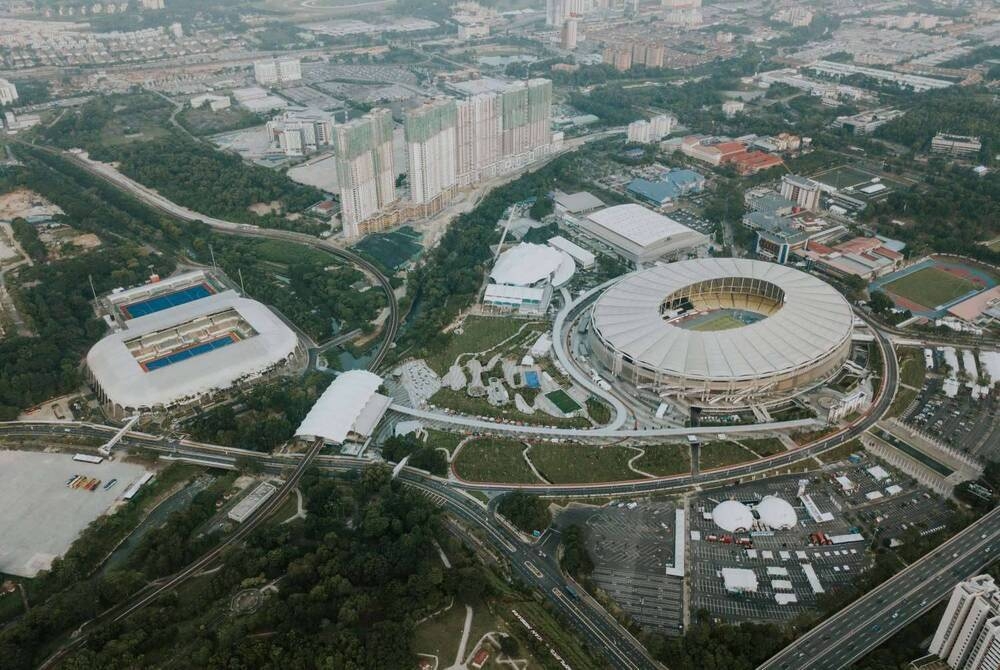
x=182, y=340
x=723, y=331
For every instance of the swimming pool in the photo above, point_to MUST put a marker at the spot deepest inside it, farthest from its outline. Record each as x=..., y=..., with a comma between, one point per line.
x=166, y=301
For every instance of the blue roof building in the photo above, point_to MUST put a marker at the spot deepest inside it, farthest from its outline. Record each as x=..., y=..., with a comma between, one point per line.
x=672, y=185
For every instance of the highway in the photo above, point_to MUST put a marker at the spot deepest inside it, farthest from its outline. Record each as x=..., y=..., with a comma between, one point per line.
x=878, y=615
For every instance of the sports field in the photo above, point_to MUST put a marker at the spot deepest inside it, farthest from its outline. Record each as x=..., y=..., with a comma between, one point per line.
x=562, y=400
x=930, y=287
x=721, y=322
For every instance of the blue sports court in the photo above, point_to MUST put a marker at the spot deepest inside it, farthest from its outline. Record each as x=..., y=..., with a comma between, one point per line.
x=166, y=301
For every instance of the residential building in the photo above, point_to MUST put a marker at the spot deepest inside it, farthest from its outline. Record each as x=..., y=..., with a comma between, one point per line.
x=732, y=107
x=299, y=133
x=479, y=132
x=639, y=132
x=557, y=11
x=431, y=146
x=661, y=125
x=618, y=58
x=956, y=145
x=570, y=32
x=277, y=71
x=8, y=92
x=966, y=637
x=366, y=171
x=527, y=116
x=802, y=191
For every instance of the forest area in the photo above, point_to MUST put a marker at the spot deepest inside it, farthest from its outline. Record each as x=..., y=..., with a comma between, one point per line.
x=355, y=576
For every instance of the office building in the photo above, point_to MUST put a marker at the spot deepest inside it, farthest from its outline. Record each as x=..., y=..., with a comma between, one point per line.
x=955, y=145
x=431, y=146
x=802, y=191
x=8, y=92
x=366, y=169
x=967, y=636
x=277, y=71
x=300, y=133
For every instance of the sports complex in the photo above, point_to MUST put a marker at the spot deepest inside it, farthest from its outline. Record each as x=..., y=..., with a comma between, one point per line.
x=934, y=285
x=721, y=330
x=175, y=342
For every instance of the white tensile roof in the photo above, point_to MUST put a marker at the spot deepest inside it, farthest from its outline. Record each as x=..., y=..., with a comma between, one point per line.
x=527, y=264
x=776, y=513
x=638, y=224
x=813, y=321
x=732, y=516
x=124, y=382
x=350, y=404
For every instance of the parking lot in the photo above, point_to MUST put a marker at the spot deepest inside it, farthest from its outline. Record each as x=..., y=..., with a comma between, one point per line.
x=42, y=516
x=962, y=422
x=776, y=557
x=631, y=549
x=692, y=220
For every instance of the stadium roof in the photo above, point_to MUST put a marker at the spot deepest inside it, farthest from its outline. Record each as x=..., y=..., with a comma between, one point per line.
x=813, y=320
x=350, y=404
x=637, y=224
x=776, y=513
x=730, y=515
x=125, y=383
x=529, y=264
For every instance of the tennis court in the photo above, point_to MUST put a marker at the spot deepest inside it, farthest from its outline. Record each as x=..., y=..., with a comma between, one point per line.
x=190, y=352
x=166, y=301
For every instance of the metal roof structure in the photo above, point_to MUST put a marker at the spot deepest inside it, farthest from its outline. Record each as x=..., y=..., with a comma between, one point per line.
x=637, y=224
x=528, y=264
x=124, y=381
x=811, y=321
x=350, y=405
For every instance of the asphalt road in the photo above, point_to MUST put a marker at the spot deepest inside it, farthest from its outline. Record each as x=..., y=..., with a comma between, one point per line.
x=866, y=623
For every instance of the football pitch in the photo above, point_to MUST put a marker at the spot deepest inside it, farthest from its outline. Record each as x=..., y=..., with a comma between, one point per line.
x=930, y=287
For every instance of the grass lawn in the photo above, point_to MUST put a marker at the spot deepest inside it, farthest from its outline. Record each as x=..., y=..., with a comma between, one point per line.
x=443, y=439
x=665, y=459
x=841, y=452
x=930, y=287
x=723, y=322
x=440, y=635
x=460, y=402
x=912, y=368
x=494, y=460
x=479, y=333
x=902, y=400
x=562, y=400
x=767, y=446
x=598, y=411
x=718, y=454
x=579, y=464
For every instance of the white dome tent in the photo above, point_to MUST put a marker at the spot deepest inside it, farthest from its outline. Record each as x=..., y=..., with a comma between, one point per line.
x=776, y=513
x=732, y=516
